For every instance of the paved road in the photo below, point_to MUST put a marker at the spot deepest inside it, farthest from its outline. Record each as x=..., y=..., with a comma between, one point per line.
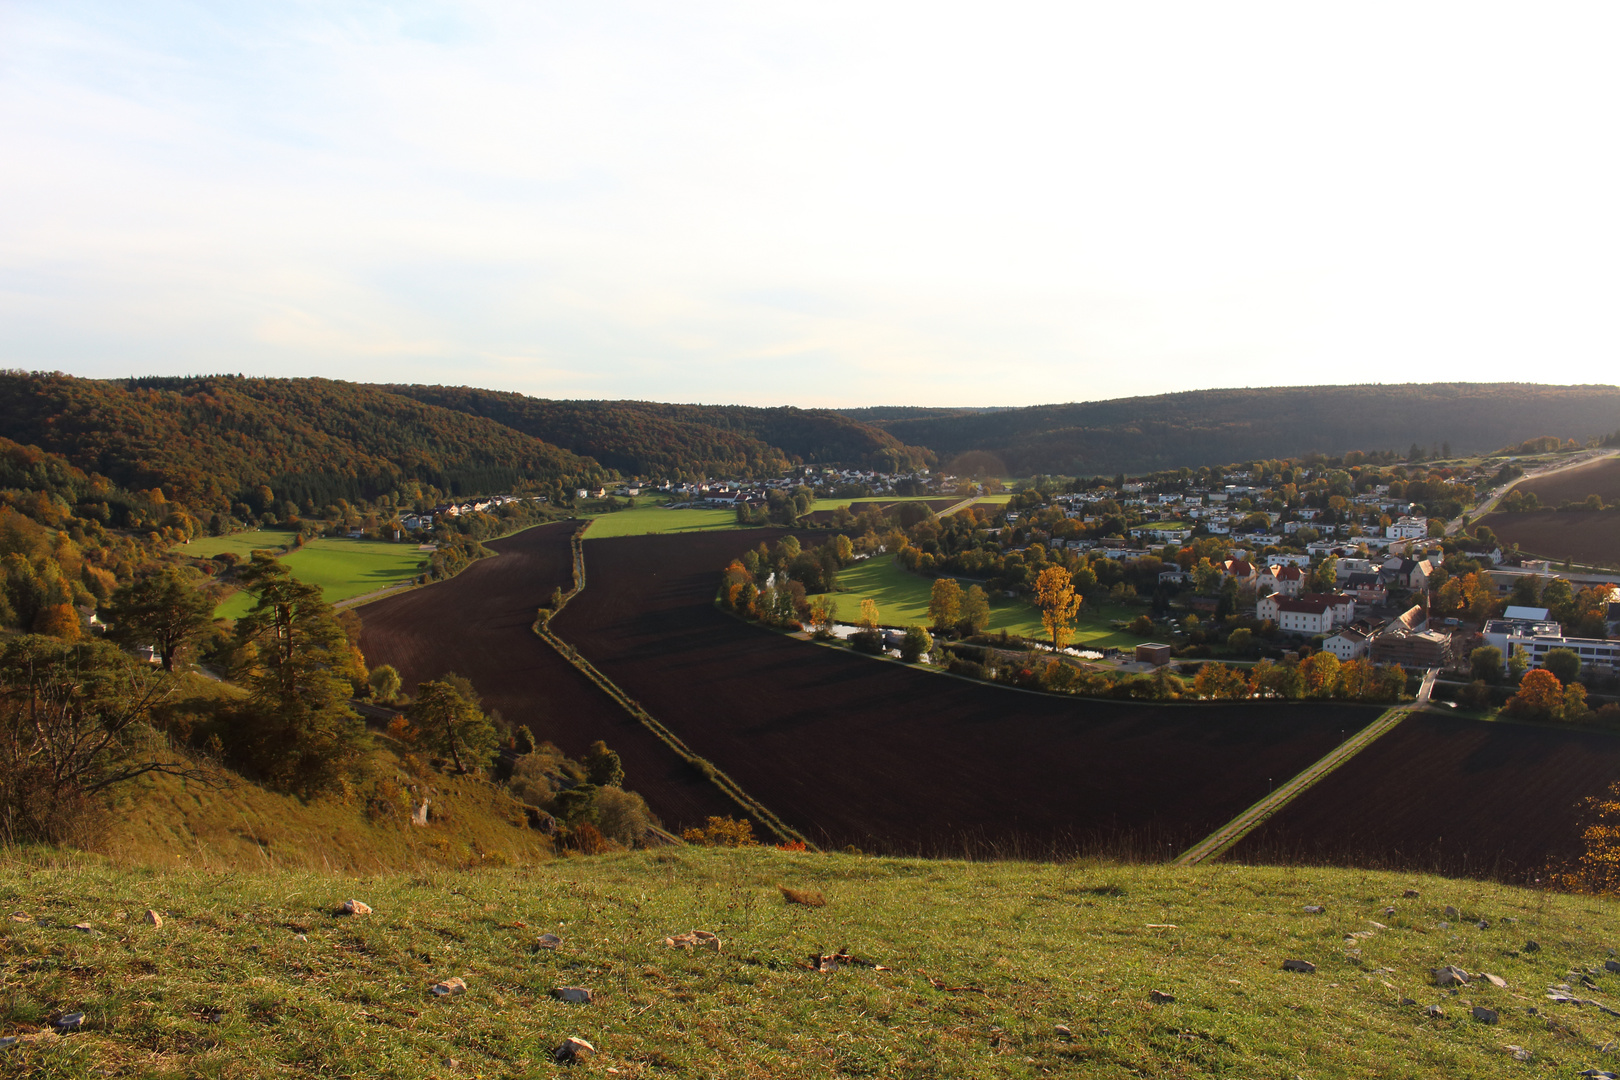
x=1234, y=830
x=1489, y=503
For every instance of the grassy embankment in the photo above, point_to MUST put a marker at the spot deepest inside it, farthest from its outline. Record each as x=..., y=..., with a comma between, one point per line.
x=233, y=824
x=342, y=568
x=902, y=599
x=253, y=975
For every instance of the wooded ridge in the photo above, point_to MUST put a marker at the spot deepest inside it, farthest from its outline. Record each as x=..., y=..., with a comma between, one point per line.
x=1213, y=427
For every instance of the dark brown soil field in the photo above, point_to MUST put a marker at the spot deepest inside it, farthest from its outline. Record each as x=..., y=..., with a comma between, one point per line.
x=1574, y=485
x=1585, y=536
x=477, y=624
x=852, y=750
x=1439, y=793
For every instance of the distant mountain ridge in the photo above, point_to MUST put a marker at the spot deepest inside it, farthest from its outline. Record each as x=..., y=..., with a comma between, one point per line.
x=647, y=438
x=1217, y=427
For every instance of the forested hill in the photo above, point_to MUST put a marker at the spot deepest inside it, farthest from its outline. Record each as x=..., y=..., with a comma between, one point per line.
x=1217, y=427
x=692, y=441
x=210, y=442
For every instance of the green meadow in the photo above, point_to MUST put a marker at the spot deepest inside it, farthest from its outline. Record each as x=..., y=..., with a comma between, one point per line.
x=961, y=970
x=645, y=519
x=342, y=568
x=902, y=599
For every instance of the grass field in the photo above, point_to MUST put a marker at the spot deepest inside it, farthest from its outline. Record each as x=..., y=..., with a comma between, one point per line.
x=647, y=520
x=239, y=544
x=856, y=505
x=342, y=568
x=902, y=599
x=253, y=974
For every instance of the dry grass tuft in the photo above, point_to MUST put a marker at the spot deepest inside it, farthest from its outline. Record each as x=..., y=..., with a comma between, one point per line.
x=808, y=899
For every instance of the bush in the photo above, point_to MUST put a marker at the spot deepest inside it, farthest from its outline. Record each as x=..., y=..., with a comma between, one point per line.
x=916, y=644
x=622, y=816
x=969, y=668
x=867, y=641
x=722, y=832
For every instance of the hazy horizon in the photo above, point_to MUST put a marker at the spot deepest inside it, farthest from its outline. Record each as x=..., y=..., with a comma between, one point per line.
x=840, y=206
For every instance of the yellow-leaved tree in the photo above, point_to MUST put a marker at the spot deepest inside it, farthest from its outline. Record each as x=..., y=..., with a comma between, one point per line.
x=1058, y=602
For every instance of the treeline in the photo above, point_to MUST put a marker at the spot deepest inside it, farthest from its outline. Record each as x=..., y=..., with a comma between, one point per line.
x=210, y=443
x=1210, y=427
x=68, y=538
x=688, y=442
x=1318, y=677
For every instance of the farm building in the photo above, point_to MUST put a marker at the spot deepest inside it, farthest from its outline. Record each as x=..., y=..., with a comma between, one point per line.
x=1153, y=653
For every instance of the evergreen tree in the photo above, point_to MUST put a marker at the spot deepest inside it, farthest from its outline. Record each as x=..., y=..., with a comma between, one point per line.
x=296, y=729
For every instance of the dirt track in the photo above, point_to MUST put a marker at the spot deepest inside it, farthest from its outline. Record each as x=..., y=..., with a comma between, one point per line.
x=1459, y=796
x=478, y=625
x=852, y=750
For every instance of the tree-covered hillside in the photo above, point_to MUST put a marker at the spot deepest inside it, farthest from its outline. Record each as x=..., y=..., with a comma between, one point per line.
x=211, y=442
x=1212, y=427
x=651, y=439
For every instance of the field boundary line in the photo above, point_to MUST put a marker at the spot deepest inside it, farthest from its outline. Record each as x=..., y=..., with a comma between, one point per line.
x=1227, y=836
x=733, y=790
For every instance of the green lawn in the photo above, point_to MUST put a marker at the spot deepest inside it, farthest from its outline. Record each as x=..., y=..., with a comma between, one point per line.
x=252, y=974
x=857, y=505
x=238, y=544
x=342, y=568
x=902, y=599
x=644, y=519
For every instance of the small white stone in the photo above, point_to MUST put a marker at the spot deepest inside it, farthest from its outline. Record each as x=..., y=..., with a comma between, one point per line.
x=572, y=1050
x=448, y=987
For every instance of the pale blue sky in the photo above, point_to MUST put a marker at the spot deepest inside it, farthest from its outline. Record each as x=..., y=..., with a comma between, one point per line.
x=814, y=204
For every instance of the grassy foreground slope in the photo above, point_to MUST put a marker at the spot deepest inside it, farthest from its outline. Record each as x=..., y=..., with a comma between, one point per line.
x=253, y=975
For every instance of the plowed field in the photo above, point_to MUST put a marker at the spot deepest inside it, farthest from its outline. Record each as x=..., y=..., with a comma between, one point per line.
x=852, y=750
x=1586, y=536
x=478, y=623
x=1446, y=794
x=1573, y=485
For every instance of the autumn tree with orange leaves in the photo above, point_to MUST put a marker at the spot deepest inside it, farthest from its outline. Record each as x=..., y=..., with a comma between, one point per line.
x=1058, y=603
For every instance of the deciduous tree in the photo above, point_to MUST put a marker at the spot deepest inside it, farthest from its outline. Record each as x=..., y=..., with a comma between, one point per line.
x=944, y=603
x=1540, y=696
x=1485, y=664
x=1564, y=663
x=1321, y=673
x=1058, y=603
x=976, y=610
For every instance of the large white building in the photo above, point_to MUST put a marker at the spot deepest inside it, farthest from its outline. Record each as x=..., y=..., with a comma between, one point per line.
x=1307, y=615
x=1407, y=528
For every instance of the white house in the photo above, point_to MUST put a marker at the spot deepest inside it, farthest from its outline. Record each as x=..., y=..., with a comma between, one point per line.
x=1307, y=615
x=1348, y=644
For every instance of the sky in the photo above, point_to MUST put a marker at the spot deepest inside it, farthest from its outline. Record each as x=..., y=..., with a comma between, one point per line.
x=818, y=204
